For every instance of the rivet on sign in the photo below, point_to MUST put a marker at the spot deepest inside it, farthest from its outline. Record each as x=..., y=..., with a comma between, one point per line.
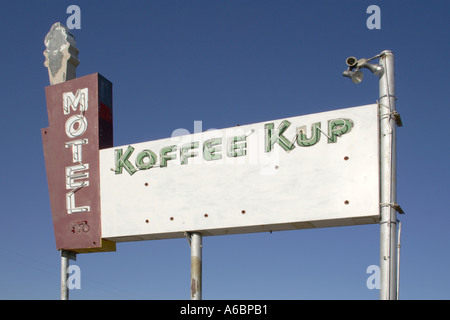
x=146, y=221
x=171, y=218
x=146, y=184
x=346, y=158
x=206, y=215
x=243, y=211
x=346, y=202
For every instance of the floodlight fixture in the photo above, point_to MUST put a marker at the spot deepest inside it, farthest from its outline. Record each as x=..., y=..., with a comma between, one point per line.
x=356, y=76
x=354, y=65
x=351, y=61
x=376, y=69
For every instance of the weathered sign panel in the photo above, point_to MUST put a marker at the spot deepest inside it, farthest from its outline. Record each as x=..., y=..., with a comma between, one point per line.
x=318, y=170
x=80, y=124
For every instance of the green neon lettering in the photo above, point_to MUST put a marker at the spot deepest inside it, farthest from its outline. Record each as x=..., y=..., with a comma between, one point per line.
x=212, y=149
x=237, y=146
x=141, y=164
x=276, y=136
x=122, y=161
x=165, y=157
x=303, y=140
x=337, y=128
x=184, y=152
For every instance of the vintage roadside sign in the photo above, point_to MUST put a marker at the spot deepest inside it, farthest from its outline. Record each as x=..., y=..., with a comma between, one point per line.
x=312, y=171
x=80, y=124
x=326, y=169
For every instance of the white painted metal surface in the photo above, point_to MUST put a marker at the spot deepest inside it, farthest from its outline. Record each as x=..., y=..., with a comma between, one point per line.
x=276, y=175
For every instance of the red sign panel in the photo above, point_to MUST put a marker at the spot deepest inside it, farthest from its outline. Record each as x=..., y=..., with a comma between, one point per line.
x=80, y=124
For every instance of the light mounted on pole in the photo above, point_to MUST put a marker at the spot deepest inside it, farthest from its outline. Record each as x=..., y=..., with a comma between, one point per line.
x=389, y=119
x=354, y=65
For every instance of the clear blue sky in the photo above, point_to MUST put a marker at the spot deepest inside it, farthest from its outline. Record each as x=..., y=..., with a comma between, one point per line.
x=227, y=63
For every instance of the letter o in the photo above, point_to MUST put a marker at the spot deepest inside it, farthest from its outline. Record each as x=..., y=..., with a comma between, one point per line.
x=76, y=125
x=141, y=164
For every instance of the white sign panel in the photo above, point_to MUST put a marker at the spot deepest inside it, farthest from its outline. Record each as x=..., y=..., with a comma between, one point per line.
x=318, y=170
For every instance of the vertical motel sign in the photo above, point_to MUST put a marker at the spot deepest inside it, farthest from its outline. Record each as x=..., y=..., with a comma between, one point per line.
x=80, y=124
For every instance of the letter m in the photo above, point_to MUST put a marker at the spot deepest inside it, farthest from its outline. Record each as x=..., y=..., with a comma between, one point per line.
x=80, y=99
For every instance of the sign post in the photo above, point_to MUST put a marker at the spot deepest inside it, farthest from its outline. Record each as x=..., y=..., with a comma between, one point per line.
x=196, y=266
x=66, y=256
x=388, y=193
x=389, y=119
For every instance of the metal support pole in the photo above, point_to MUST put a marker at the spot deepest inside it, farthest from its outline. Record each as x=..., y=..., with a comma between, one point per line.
x=388, y=223
x=66, y=256
x=196, y=266
x=64, y=276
